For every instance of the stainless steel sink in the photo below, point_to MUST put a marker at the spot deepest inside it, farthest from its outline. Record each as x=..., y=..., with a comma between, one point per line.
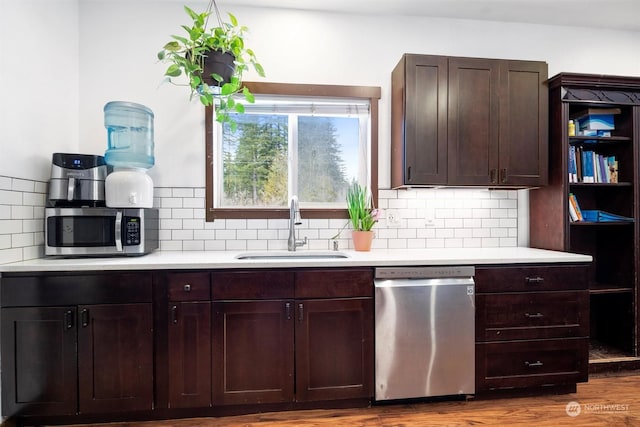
x=292, y=255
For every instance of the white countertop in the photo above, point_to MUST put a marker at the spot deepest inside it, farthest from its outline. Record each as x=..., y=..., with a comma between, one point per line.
x=227, y=259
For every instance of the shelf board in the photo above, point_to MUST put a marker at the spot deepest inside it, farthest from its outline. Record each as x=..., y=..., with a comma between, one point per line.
x=600, y=184
x=606, y=223
x=601, y=352
x=609, y=288
x=598, y=139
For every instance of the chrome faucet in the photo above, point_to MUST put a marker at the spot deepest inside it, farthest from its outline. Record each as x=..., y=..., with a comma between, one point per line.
x=294, y=219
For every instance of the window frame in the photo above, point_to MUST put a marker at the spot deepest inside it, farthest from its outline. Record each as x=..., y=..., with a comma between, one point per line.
x=372, y=93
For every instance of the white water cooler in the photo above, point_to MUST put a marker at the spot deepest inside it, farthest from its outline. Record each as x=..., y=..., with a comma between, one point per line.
x=130, y=155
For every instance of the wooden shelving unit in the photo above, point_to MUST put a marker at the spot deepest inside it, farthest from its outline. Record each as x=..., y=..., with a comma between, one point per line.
x=613, y=282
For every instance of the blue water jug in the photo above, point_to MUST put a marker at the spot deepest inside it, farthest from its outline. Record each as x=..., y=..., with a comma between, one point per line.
x=129, y=135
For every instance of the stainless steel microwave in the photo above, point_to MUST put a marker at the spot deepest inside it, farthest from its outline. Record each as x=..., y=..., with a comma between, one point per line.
x=100, y=231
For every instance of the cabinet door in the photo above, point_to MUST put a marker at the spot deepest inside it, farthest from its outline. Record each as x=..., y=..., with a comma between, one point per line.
x=252, y=352
x=190, y=354
x=523, y=158
x=423, y=127
x=473, y=126
x=334, y=349
x=115, y=358
x=39, y=371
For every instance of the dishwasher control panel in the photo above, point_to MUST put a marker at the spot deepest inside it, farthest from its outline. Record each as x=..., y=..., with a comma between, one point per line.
x=424, y=272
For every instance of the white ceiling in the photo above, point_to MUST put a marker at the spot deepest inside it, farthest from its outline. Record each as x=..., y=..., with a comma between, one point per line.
x=613, y=14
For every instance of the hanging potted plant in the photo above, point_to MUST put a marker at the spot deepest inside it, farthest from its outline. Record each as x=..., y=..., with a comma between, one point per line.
x=362, y=216
x=213, y=60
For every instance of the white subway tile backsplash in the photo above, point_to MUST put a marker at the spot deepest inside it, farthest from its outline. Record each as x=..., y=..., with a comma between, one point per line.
x=22, y=212
x=214, y=245
x=229, y=234
x=5, y=183
x=193, y=245
x=182, y=192
x=427, y=218
x=10, y=226
x=23, y=185
x=170, y=202
x=5, y=241
x=204, y=234
x=8, y=197
x=196, y=203
x=182, y=235
x=22, y=240
x=5, y=212
x=193, y=224
x=182, y=213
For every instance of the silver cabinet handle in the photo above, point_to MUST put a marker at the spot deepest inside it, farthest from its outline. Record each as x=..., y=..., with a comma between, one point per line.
x=533, y=316
x=535, y=364
x=534, y=280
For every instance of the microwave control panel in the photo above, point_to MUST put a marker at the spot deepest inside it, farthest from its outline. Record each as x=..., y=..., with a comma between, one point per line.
x=131, y=231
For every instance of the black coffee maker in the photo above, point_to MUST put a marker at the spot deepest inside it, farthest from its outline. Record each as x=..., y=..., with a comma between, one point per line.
x=77, y=180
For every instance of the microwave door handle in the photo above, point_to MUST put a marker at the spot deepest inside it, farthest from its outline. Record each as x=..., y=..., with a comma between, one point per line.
x=71, y=186
x=118, y=231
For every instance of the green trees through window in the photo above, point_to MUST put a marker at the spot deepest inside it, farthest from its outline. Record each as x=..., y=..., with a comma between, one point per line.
x=271, y=157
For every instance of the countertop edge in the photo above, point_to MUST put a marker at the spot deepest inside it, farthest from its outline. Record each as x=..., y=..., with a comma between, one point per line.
x=198, y=260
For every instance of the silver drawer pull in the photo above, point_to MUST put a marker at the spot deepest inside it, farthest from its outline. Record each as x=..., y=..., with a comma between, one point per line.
x=534, y=315
x=187, y=288
x=534, y=280
x=533, y=364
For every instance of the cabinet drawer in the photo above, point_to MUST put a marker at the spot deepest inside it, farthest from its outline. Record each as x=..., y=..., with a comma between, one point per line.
x=255, y=284
x=334, y=283
x=531, y=363
x=532, y=315
x=58, y=289
x=519, y=279
x=188, y=286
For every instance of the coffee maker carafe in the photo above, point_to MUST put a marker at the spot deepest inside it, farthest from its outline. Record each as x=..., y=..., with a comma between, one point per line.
x=77, y=180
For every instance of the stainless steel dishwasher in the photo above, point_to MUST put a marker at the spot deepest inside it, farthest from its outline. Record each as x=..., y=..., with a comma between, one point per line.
x=425, y=332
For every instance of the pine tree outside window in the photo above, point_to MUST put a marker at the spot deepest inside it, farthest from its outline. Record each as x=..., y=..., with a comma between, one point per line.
x=313, y=147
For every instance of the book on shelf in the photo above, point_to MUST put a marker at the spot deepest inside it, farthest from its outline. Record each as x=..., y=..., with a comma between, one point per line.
x=573, y=166
x=575, y=213
x=587, y=166
x=612, y=169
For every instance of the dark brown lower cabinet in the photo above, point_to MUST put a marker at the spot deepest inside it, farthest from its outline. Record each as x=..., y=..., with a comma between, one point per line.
x=76, y=343
x=256, y=360
x=115, y=358
x=39, y=363
x=316, y=347
x=334, y=349
x=252, y=352
x=189, y=358
x=532, y=326
x=111, y=370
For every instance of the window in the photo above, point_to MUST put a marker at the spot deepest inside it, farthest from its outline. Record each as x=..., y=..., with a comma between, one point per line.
x=305, y=140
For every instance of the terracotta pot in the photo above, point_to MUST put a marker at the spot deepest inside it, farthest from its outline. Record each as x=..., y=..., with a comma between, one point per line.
x=362, y=240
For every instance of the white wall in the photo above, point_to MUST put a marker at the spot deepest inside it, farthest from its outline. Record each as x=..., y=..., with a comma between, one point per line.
x=38, y=84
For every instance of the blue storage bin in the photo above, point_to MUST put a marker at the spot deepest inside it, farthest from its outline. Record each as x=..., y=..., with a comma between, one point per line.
x=602, y=216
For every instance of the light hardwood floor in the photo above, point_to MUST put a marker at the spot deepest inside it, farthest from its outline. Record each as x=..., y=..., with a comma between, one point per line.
x=603, y=401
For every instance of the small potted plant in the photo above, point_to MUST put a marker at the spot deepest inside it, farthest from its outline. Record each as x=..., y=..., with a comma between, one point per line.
x=362, y=216
x=197, y=54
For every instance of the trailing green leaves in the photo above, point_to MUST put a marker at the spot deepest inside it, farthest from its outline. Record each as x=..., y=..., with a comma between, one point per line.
x=186, y=56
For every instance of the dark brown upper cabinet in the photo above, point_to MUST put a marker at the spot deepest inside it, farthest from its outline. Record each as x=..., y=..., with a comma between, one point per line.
x=468, y=122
